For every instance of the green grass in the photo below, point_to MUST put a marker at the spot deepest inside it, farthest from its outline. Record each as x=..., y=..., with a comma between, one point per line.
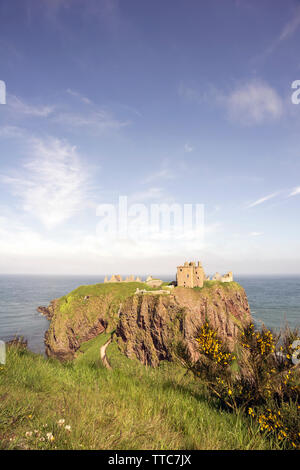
x=129, y=407
x=118, y=291
x=224, y=285
x=88, y=353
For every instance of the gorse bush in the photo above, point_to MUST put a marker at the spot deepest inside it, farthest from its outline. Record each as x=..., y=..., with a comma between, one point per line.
x=261, y=378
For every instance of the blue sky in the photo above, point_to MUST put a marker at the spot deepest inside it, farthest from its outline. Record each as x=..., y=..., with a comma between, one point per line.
x=177, y=101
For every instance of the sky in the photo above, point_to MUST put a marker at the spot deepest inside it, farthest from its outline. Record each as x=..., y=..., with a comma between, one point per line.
x=163, y=102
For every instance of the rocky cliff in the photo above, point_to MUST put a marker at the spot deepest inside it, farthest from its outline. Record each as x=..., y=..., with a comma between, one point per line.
x=81, y=315
x=147, y=326
x=150, y=325
x=66, y=333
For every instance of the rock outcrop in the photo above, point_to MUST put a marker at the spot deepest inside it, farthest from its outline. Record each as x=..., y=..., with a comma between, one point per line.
x=149, y=325
x=75, y=321
x=47, y=312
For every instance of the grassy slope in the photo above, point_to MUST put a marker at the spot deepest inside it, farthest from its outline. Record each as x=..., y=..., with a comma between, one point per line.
x=130, y=407
x=119, y=291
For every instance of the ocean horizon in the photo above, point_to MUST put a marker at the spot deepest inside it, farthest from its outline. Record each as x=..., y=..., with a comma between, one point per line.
x=274, y=301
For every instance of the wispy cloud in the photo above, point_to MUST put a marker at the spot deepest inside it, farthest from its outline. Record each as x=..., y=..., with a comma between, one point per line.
x=291, y=27
x=19, y=106
x=11, y=131
x=295, y=191
x=78, y=95
x=250, y=103
x=93, y=121
x=165, y=173
x=262, y=200
x=188, y=148
x=52, y=183
x=254, y=103
x=192, y=93
x=287, y=31
x=255, y=234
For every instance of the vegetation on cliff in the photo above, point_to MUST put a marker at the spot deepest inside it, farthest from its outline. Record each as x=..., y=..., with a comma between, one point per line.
x=259, y=378
x=213, y=395
x=83, y=314
x=149, y=326
x=49, y=404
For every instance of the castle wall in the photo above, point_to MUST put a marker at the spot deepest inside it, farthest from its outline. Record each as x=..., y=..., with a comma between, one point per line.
x=190, y=275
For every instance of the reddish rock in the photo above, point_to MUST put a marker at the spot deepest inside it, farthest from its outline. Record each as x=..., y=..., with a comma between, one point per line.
x=150, y=325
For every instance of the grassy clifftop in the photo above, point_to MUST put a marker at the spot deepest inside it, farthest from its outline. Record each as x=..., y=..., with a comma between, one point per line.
x=129, y=407
x=83, y=314
x=91, y=310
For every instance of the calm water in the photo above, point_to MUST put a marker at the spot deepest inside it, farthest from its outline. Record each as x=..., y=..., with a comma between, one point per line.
x=272, y=300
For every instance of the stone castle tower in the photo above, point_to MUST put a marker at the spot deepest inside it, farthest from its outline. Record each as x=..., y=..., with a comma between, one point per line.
x=190, y=275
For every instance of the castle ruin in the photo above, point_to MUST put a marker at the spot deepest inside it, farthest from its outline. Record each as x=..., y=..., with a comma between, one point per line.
x=118, y=278
x=228, y=277
x=190, y=275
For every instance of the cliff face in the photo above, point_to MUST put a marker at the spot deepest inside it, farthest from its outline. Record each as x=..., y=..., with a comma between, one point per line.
x=149, y=325
x=81, y=315
x=76, y=320
x=67, y=332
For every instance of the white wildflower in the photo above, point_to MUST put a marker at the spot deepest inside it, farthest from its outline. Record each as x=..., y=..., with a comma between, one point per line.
x=50, y=436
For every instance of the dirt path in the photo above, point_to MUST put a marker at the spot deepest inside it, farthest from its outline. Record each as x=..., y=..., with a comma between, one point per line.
x=103, y=354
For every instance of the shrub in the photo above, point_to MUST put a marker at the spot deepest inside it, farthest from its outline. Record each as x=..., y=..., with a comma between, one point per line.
x=259, y=379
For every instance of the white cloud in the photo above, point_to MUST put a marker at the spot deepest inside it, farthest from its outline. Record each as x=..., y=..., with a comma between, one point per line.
x=295, y=191
x=94, y=118
x=11, y=131
x=52, y=184
x=291, y=27
x=254, y=103
x=20, y=107
x=81, y=97
x=255, y=234
x=94, y=121
x=262, y=200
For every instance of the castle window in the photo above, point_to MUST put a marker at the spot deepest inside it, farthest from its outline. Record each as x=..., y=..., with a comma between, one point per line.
x=187, y=275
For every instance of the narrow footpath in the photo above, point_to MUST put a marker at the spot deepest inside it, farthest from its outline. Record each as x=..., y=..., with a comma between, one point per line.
x=103, y=354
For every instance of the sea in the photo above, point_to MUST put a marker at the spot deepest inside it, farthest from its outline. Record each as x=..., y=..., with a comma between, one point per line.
x=274, y=301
